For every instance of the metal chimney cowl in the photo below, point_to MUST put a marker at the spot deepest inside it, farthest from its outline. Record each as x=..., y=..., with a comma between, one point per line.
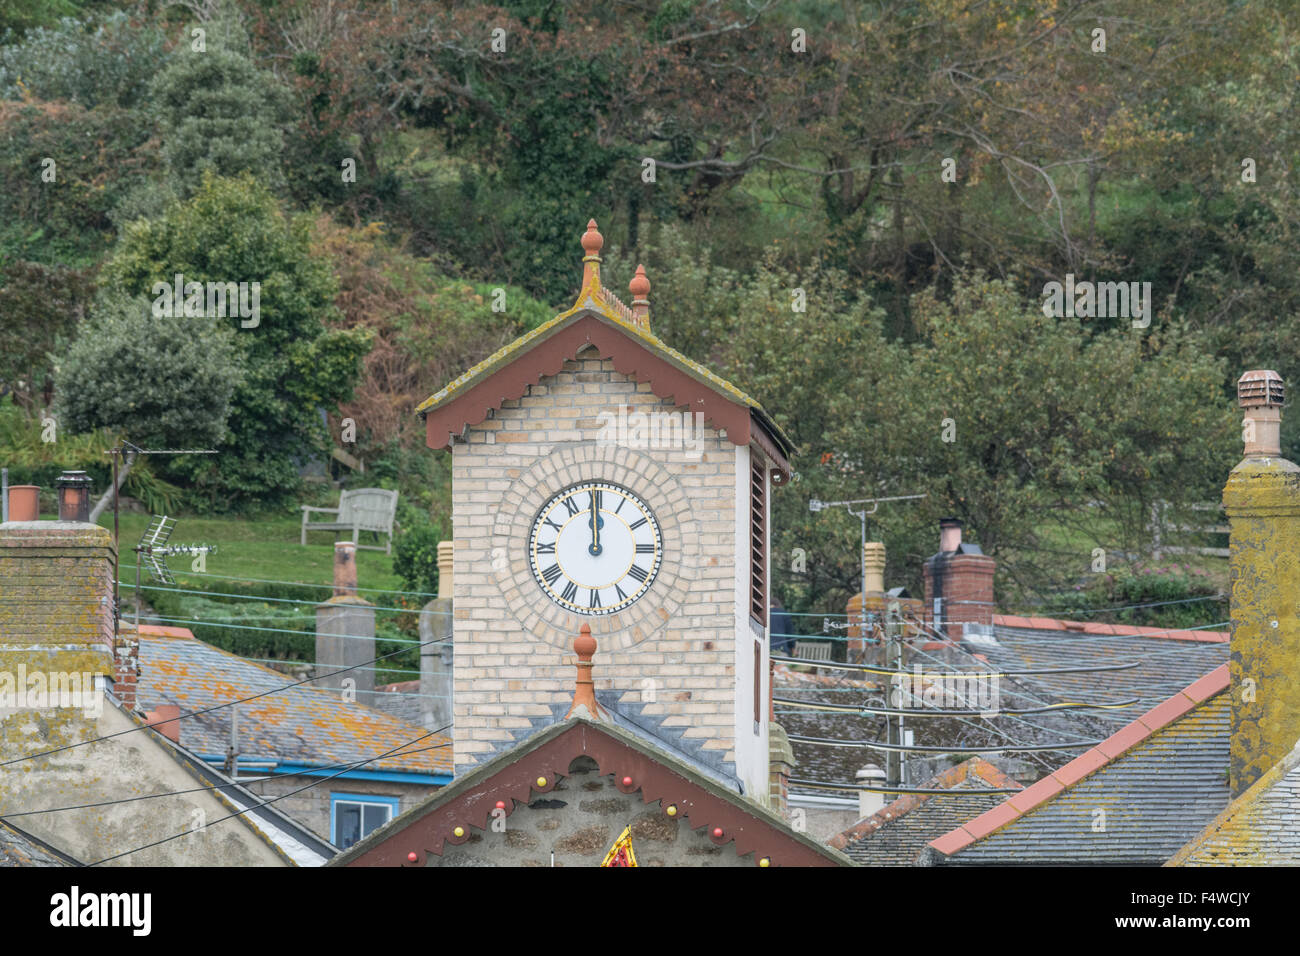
x=74, y=496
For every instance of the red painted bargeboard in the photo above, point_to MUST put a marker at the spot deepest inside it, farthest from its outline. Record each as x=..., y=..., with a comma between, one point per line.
x=516, y=783
x=548, y=358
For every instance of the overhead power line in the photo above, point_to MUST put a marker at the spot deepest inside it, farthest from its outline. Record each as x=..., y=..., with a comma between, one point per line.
x=206, y=710
x=267, y=803
x=858, y=788
x=917, y=748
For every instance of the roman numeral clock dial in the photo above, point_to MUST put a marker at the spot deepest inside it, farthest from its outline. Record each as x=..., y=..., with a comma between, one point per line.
x=595, y=548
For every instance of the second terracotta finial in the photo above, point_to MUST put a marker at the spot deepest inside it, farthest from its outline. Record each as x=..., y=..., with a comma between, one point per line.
x=592, y=240
x=640, y=289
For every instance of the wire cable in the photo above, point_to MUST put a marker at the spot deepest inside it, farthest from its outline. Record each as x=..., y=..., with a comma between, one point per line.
x=267, y=803
x=206, y=710
x=223, y=786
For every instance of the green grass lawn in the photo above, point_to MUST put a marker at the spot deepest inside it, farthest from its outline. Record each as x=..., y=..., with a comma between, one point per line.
x=265, y=548
x=257, y=597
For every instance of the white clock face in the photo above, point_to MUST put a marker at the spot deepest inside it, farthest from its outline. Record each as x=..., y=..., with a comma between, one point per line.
x=595, y=548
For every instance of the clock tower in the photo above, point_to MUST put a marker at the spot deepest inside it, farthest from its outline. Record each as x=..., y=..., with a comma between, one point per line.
x=600, y=477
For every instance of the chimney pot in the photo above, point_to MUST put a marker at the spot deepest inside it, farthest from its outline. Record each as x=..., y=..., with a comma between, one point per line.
x=873, y=560
x=24, y=502
x=949, y=534
x=1261, y=393
x=869, y=802
x=446, y=552
x=74, y=496
x=345, y=569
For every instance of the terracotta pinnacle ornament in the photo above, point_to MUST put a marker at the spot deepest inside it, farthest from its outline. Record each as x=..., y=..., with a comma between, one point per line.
x=640, y=289
x=584, y=692
x=592, y=241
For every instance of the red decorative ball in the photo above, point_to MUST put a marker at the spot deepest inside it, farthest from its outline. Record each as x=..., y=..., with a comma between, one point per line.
x=501, y=804
x=627, y=781
x=412, y=856
x=717, y=833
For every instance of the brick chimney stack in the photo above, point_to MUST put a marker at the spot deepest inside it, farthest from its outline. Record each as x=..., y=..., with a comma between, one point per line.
x=56, y=604
x=958, y=584
x=1262, y=501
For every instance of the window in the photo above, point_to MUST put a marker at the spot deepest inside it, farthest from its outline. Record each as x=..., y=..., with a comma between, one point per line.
x=353, y=815
x=758, y=685
x=757, y=539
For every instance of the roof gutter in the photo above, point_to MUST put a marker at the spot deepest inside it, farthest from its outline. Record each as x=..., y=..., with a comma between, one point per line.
x=306, y=769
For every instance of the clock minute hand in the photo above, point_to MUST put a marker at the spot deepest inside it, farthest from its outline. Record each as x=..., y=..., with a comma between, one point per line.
x=595, y=527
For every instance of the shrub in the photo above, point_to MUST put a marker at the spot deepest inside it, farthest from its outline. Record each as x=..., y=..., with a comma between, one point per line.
x=111, y=60
x=1145, y=595
x=415, y=550
x=165, y=382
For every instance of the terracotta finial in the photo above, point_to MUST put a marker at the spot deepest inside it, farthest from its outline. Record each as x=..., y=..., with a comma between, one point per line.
x=640, y=289
x=592, y=240
x=584, y=692
x=640, y=285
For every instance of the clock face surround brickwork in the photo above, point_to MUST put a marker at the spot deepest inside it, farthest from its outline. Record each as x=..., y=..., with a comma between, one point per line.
x=541, y=489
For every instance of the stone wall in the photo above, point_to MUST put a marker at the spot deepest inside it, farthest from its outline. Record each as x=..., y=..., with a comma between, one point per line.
x=579, y=821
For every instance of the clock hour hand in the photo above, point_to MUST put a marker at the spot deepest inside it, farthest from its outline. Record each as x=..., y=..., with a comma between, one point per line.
x=594, y=547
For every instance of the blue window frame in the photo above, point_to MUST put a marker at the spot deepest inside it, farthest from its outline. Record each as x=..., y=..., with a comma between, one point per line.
x=353, y=815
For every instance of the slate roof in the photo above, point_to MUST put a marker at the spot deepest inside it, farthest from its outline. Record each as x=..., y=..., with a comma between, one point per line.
x=897, y=833
x=1135, y=799
x=1167, y=660
x=19, y=848
x=299, y=725
x=1259, y=828
x=401, y=700
x=632, y=718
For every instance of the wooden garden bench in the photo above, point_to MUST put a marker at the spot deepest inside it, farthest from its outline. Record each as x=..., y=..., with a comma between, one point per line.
x=365, y=509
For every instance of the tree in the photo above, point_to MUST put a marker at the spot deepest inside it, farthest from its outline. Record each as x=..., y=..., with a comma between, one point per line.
x=40, y=307
x=108, y=60
x=219, y=114
x=161, y=381
x=233, y=230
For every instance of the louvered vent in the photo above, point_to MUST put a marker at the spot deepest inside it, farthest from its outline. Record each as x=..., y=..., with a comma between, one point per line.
x=758, y=541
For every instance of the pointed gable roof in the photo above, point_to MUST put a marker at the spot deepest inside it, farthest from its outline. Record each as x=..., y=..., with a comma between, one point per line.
x=521, y=776
x=618, y=332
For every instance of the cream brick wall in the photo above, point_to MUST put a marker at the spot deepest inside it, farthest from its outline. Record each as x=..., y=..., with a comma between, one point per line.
x=513, y=647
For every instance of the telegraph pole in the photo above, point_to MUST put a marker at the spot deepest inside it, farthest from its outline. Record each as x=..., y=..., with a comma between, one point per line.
x=894, y=765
